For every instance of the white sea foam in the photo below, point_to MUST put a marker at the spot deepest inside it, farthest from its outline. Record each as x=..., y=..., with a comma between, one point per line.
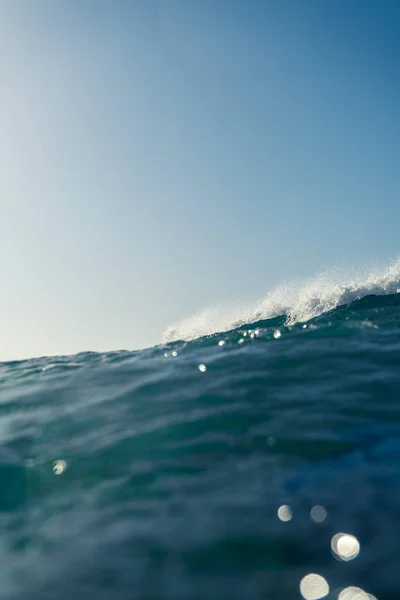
x=298, y=301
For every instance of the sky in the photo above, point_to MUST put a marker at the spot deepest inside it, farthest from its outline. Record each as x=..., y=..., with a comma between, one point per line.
x=161, y=156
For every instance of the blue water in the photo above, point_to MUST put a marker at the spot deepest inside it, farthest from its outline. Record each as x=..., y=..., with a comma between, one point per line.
x=162, y=473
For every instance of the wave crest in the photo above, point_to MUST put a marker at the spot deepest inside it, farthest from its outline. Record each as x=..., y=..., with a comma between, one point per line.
x=300, y=302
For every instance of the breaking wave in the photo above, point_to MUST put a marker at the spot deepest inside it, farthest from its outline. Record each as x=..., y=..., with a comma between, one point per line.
x=298, y=302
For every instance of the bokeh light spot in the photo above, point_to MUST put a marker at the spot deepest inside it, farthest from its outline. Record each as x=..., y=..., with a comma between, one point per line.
x=318, y=514
x=313, y=587
x=355, y=593
x=345, y=547
x=59, y=467
x=285, y=513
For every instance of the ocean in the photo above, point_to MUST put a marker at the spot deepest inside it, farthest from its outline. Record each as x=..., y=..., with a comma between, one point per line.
x=253, y=455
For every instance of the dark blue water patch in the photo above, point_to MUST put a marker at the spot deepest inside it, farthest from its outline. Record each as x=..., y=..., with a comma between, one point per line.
x=13, y=481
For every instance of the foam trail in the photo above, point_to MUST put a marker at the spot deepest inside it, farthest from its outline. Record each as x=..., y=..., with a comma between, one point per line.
x=299, y=302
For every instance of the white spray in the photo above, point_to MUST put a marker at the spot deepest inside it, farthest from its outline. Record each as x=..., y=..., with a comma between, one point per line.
x=298, y=301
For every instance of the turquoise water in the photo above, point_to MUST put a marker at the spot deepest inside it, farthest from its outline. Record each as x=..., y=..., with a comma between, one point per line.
x=162, y=473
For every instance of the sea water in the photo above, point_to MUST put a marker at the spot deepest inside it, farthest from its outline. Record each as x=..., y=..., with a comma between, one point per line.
x=251, y=455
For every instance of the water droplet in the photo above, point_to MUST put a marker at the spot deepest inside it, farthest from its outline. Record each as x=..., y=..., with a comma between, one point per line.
x=313, y=587
x=345, y=547
x=277, y=334
x=318, y=514
x=202, y=368
x=166, y=354
x=257, y=331
x=174, y=353
x=271, y=440
x=305, y=326
x=221, y=342
x=241, y=341
x=355, y=593
x=285, y=513
x=59, y=467
x=245, y=333
x=252, y=335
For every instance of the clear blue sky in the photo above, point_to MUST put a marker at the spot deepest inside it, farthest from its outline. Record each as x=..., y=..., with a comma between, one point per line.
x=161, y=156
